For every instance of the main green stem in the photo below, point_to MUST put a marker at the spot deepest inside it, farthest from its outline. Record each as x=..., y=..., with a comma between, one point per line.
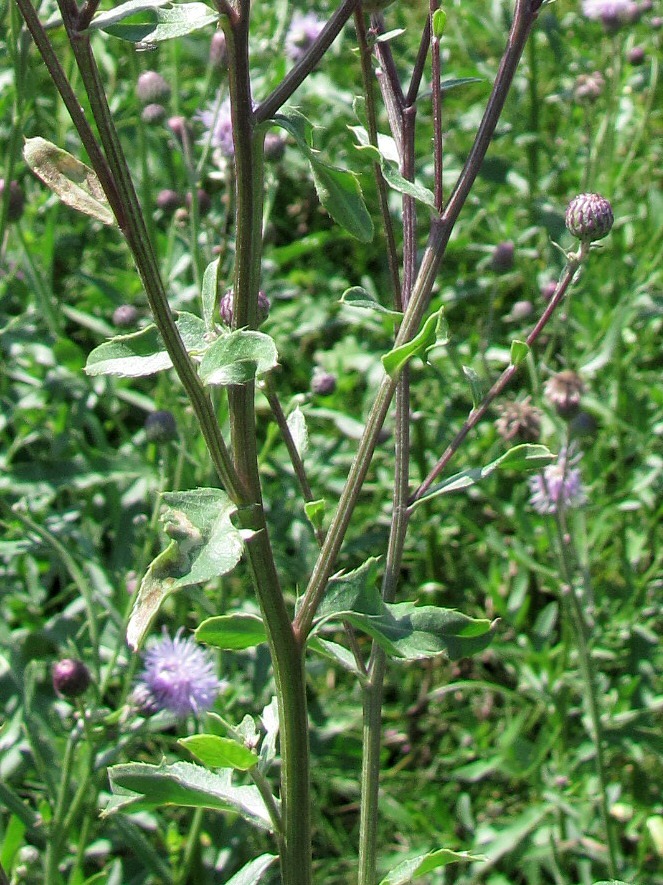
x=287, y=653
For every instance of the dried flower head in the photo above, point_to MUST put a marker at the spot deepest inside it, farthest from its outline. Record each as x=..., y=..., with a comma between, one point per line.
x=559, y=486
x=519, y=420
x=304, y=30
x=589, y=217
x=71, y=677
x=178, y=676
x=564, y=391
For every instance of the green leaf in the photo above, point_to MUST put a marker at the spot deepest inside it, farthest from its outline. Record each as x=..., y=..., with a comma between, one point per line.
x=338, y=189
x=388, y=164
x=154, y=21
x=72, y=181
x=144, y=353
x=238, y=357
x=315, y=512
x=476, y=385
x=209, y=293
x=219, y=752
x=297, y=426
x=332, y=651
x=404, y=630
x=360, y=298
x=519, y=351
x=204, y=545
x=253, y=872
x=142, y=787
x=434, y=332
x=520, y=458
x=426, y=863
x=455, y=82
x=234, y=631
x=439, y=22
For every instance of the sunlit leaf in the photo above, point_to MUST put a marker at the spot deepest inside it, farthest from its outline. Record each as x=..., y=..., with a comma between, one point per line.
x=152, y=22
x=254, y=870
x=219, y=752
x=144, y=353
x=360, y=298
x=426, y=863
x=204, y=545
x=142, y=787
x=72, y=181
x=520, y=458
x=433, y=333
x=238, y=357
x=234, y=631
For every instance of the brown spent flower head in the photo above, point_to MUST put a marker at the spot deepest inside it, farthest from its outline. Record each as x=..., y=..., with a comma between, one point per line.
x=70, y=677
x=589, y=217
x=520, y=420
x=564, y=391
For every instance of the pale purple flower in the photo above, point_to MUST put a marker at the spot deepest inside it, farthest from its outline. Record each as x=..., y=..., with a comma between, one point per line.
x=304, y=30
x=559, y=486
x=219, y=128
x=612, y=13
x=179, y=676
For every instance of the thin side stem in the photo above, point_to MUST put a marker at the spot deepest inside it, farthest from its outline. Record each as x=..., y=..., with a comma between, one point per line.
x=438, y=151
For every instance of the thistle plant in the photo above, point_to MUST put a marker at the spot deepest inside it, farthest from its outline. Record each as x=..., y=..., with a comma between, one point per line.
x=355, y=618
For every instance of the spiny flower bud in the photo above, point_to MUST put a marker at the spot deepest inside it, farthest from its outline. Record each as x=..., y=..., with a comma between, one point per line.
x=226, y=307
x=70, y=677
x=16, y=199
x=563, y=391
x=160, y=427
x=589, y=217
x=151, y=87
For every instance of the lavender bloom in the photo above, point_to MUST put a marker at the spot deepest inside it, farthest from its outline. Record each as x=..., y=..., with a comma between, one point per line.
x=304, y=30
x=178, y=676
x=560, y=484
x=612, y=13
x=219, y=128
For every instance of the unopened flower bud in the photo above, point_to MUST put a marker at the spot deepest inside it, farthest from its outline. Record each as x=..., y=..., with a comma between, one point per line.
x=160, y=427
x=204, y=202
x=548, y=290
x=503, y=257
x=16, y=199
x=636, y=56
x=274, y=147
x=168, y=201
x=70, y=677
x=125, y=315
x=179, y=126
x=589, y=217
x=153, y=114
x=217, y=49
x=151, y=87
x=588, y=87
x=226, y=307
x=563, y=391
x=323, y=383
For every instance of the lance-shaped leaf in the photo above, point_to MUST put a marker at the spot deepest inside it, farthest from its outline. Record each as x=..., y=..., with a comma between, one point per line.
x=139, y=21
x=358, y=297
x=74, y=183
x=209, y=293
x=425, y=863
x=144, y=353
x=141, y=787
x=235, y=631
x=338, y=189
x=254, y=870
x=204, y=544
x=238, y=357
x=219, y=752
x=520, y=458
x=433, y=333
x=404, y=630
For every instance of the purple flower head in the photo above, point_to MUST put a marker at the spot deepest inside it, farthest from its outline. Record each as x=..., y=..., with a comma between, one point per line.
x=560, y=484
x=304, y=30
x=178, y=676
x=218, y=126
x=611, y=13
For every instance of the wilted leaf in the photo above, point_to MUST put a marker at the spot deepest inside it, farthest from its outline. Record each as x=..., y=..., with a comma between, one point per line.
x=72, y=181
